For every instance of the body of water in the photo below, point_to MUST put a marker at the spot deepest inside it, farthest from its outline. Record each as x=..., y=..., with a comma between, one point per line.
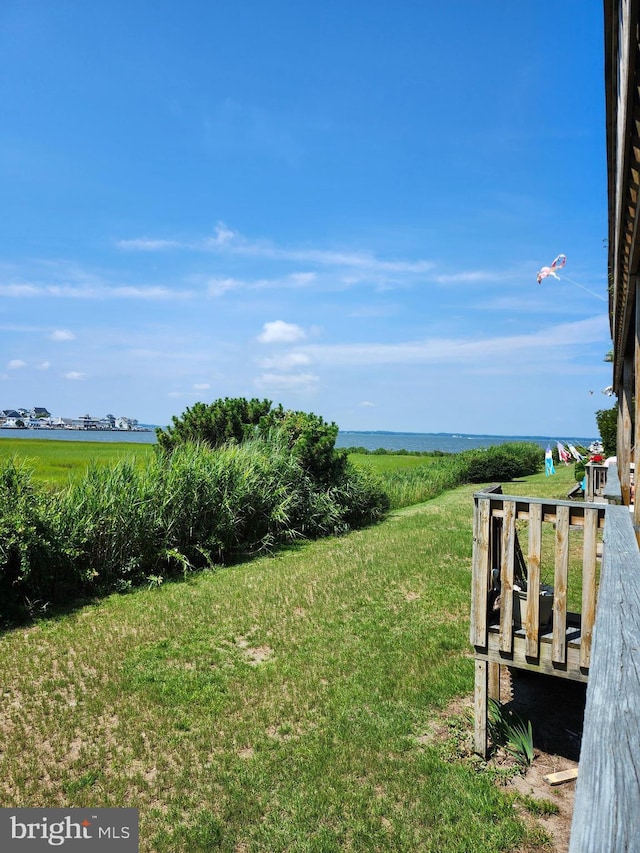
x=444, y=441
x=420, y=441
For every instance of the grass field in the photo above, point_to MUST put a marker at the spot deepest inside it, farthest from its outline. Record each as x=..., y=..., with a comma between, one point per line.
x=285, y=704
x=55, y=463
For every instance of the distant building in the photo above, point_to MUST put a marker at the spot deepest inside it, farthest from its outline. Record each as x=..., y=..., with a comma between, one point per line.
x=39, y=412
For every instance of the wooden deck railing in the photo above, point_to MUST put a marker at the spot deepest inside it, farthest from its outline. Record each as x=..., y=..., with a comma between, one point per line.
x=602, y=641
x=607, y=803
x=519, y=542
x=596, y=481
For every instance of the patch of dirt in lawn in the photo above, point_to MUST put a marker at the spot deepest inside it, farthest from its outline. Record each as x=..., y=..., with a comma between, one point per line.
x=555, y=707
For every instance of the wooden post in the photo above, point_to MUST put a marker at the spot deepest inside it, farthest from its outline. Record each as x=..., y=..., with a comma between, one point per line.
x=636, y=374
x=623, y=449
x=533, y=581
x=588, y=584
x=480, y=703
x=506, y=576
x=480, y=573
x=560, y=585
x=494, y=681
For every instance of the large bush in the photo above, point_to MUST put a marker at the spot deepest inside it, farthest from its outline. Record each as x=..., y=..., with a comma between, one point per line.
x=30, y=564
x=234, y=420
x=215, y=424
x=502, y=462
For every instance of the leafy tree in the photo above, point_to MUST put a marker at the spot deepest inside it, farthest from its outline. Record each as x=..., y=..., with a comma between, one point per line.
x=607, y=420
x=310, y=439
x=232, y=419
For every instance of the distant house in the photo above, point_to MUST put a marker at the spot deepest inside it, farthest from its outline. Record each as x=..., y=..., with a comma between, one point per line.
x=9, y=413
x=39, y=412
x=62, y=423
x=88, y=422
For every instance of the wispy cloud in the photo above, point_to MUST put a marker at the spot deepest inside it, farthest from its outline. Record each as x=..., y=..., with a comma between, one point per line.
x=144, y=244
x=74, y=375
x=287, y=361
x=16, y=364
x=279, y=332
x=544, y=344
x=61, y=335
x=101, y=292
x=287, y=381
x=229, y=241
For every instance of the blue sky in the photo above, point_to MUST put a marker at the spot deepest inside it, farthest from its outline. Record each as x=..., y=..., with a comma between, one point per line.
x=341, y=206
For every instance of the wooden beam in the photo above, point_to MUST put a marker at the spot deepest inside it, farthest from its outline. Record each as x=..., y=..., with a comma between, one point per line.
x=636, y=373
x=480, y=705
x=607, y=802
x=623, y=450
x=561, y=776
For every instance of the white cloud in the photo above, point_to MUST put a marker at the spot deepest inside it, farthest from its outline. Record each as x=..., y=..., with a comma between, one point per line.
x=366, y=404
x=220, y=286
x=287, y=381
x=45, y=365
x=279, y=332
x=144, y=244
x=62, y=335
x=19, y=290
x=16, y=364
x=95, y=291
x=501, y=352
x=74, y=375
x=227, y=240
x=288, y=361
x=223, y=236
x=471, y=276
x=201, y=386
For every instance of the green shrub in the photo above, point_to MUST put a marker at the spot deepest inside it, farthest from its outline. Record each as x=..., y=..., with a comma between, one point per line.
x=107, y=527
x=502, y=462
x=29, y=568
x=215, y=424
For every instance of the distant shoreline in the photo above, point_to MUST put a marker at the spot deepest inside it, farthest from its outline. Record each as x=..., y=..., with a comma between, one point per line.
x=420, y=442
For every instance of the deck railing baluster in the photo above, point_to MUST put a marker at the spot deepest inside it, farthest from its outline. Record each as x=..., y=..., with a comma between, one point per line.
x=506, y=575
x=559, y=652
x=589, y=559
x=480, y=572
x=533, y=580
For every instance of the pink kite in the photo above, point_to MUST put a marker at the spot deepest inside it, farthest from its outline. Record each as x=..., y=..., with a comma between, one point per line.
x=559, y=262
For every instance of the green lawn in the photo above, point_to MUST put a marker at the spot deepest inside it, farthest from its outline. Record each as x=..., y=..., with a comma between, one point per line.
x=284, y=704
x=56, y=462
x=383, y=463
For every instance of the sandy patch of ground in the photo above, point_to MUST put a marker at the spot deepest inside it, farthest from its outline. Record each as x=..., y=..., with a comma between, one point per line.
x=555, y=707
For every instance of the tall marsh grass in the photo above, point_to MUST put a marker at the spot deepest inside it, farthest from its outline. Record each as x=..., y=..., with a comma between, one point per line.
x=123, y=525
x=406, y=486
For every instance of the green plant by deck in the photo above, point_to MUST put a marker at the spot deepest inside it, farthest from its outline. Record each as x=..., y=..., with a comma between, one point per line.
x=228, y=481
